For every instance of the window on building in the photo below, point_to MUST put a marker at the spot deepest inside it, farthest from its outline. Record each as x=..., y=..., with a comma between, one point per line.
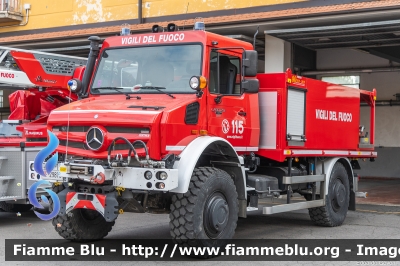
x=1, y=98
x=349, y=81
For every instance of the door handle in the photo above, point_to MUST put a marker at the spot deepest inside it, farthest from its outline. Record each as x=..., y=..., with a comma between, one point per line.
x=242, y=113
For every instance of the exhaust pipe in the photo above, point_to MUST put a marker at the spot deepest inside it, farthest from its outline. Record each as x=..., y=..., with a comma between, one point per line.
x=94, y=52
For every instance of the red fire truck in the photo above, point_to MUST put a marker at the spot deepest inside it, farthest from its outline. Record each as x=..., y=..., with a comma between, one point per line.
x=40, y=80
x=180, y=122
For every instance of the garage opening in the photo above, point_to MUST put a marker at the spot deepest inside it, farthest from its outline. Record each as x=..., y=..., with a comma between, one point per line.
x=364, y=56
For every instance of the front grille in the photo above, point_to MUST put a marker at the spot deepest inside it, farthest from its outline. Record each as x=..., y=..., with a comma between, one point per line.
x=124, y=146
x=137, y=130
x=73, y=144
x=81, y=145
x=71, y=128
x=111, y=129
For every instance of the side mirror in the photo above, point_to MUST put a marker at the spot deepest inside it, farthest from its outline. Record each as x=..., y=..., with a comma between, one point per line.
x=250, y=85
x=250, y=59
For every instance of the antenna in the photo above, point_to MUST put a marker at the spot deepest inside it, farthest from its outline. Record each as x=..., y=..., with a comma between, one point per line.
x=66, y=145
x=184, y=22
x=254, y=39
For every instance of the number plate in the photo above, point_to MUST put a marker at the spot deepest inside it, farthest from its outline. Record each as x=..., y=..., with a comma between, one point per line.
x=53, y=176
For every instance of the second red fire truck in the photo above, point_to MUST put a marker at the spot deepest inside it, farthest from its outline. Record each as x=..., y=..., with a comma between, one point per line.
x=39, y=81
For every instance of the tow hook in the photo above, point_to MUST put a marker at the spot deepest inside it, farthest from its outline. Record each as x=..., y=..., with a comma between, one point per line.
x=99, y=179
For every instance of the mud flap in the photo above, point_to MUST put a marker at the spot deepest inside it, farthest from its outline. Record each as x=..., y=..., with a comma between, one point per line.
x=352, y=203
x=112, y=206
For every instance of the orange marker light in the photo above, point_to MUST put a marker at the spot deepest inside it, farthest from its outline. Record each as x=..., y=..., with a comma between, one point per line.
x=195, y=132
x=203, y=82
x=203, y=132
x=287, y=152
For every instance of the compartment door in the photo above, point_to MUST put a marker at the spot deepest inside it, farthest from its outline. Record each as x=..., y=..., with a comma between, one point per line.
x=296, y=117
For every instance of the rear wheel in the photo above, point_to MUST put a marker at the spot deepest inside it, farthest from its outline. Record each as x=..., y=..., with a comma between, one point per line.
x=10, y=207
x=337, y=201
x=81, y=224
x=207, y=211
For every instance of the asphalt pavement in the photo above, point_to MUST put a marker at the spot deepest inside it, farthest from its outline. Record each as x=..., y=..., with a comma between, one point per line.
x=370, y=222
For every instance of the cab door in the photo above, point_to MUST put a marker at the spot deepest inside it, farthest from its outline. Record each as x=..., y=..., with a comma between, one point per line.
x=228, y=109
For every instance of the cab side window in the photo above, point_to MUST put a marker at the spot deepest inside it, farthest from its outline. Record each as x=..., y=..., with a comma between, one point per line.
x=224, y=74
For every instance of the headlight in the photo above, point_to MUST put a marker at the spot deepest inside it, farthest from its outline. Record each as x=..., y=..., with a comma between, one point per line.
x=198, y=82
x=148, y=175
x=194, y=83
x=160, y=185
x=75, y=85
x=162, y=175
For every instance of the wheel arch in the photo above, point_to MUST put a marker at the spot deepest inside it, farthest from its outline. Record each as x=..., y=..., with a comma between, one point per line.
x=204, y=150
x=328, y=166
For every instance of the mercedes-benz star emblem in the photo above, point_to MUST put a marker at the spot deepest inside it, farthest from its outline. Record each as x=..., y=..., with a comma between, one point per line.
x=94, y=138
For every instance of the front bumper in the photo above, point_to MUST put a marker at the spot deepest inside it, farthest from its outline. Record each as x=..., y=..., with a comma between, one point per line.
x=127, y=177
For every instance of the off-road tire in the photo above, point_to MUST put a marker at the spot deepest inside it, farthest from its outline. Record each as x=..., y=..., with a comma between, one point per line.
x=337, y=201
x=191, y=213
x=10, y=207
x=80, y=225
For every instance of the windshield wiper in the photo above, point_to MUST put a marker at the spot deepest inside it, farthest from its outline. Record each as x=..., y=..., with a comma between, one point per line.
x=160, y=89
x=128, y=95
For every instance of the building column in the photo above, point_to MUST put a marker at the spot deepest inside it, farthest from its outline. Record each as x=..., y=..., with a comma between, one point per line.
x=278, y=55
x=6, y=93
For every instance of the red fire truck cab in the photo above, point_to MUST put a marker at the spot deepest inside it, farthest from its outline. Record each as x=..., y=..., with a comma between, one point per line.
x=180, y=122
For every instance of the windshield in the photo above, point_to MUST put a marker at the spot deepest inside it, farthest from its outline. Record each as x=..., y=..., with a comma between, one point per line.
x=169, y=67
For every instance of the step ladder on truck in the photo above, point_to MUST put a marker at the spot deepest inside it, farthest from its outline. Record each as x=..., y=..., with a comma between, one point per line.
x=196, y=132
x=39, y=83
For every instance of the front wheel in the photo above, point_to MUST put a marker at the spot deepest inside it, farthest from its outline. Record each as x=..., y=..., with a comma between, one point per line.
x=207, y=211
x=337, y=201
x=80, y=224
